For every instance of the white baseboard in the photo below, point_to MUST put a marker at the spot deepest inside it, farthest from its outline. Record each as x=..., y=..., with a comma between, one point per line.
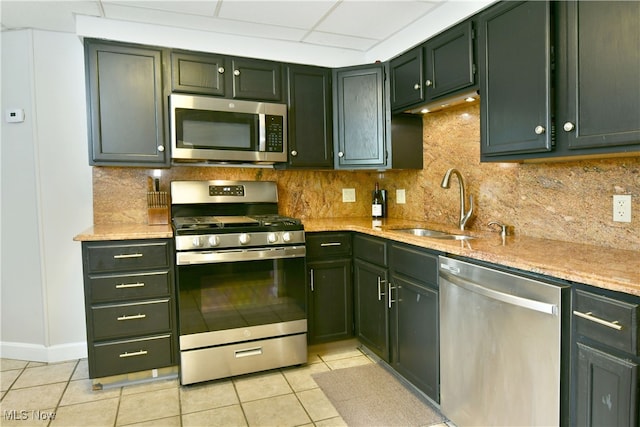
x=40, y=353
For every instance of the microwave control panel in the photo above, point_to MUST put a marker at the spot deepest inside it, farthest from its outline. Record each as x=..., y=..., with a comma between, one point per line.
x=274, y=134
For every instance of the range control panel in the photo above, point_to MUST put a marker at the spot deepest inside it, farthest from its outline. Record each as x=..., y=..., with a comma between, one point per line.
x=226, y=190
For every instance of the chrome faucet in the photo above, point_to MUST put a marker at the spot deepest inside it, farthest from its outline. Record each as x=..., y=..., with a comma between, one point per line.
x=464, y=214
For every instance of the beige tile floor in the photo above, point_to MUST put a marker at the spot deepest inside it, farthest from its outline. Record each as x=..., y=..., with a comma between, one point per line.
x=60, y=394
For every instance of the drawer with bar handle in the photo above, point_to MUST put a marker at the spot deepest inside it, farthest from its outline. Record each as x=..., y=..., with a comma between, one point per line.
x=116, y=357
x=122, y=287
x=606, y=320
x=127, y=255
x=320, y=245
x=126, y=320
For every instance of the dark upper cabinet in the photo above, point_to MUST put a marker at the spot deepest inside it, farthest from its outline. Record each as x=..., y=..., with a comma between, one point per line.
x=126, y=105
x=514, y=51
x=449, y=62
x=256, y=79
x=310, y=117
x=360, y=117
x=599, y=75
x=198, y=73
x=407, y=79
x=559, y=79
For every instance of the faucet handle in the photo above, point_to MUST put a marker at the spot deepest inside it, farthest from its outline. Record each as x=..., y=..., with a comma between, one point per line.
x=503, y=227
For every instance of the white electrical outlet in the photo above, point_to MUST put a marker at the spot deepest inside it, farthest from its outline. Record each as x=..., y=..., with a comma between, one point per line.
x=401, y=198
x=622, y=207
x=348, y=195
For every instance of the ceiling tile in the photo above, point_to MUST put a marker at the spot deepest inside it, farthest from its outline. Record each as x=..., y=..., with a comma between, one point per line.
x=341, y=41
x=298, y=14
x=45, y=15
x=197, y=7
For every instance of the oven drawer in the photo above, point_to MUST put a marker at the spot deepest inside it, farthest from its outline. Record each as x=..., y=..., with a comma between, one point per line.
x=121, y=357
x=127, y=255
x=606, y=320
x=115, y=321
x=122, y=287
x=321, y=245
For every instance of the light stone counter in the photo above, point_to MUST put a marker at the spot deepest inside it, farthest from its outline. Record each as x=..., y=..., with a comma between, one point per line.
x=125, y=232
x=614, y=269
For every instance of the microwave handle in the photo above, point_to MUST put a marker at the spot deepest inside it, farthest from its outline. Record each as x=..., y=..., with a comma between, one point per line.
x=262, y=142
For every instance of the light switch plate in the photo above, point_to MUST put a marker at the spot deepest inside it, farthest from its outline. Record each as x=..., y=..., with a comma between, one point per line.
x=401, y=198
x=348, y=195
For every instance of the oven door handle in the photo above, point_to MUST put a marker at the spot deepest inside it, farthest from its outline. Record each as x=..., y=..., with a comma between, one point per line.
x=211, y=257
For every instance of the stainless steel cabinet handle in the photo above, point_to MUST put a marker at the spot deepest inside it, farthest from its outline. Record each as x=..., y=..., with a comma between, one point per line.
x=428, y=83
x=389, y=299
x=589, y=316
x=340, y=154
x=539, y=130
x=236, y=72
x=568, y=127
x=311, y=271
x=330, y=244
x=134, y=317
x=125, y=256
x=130, y=285
x=135, y=353
x=294, y=153
x=161, y=148
x=416, y=86
x=221, y=70
x=380, y=293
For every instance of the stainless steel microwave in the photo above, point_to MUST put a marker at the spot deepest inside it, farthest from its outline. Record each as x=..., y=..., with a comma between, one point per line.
x=205, y=128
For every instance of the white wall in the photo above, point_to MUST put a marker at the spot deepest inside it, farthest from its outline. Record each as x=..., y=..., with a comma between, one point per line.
x=46, y=196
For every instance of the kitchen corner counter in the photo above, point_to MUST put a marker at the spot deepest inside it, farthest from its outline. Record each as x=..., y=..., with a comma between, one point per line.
x=125, y=232
x=608, y=268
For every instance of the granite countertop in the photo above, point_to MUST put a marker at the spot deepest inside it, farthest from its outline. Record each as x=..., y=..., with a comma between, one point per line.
x=125, y=232
x=608, y=268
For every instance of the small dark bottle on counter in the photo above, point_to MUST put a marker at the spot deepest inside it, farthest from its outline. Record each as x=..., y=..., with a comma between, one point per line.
x=377, y=203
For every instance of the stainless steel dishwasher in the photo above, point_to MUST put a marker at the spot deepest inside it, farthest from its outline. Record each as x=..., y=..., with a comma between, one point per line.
x=501, y=356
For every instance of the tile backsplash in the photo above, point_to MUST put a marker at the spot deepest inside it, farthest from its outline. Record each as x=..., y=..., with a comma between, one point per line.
x=568, y=201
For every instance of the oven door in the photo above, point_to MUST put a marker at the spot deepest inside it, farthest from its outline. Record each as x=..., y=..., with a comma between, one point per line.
x=231, y=296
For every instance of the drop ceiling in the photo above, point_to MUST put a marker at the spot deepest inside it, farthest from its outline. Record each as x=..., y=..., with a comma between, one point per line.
x=353, y=29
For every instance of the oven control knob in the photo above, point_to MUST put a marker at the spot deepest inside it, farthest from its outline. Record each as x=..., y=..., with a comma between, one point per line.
x=214, y=241
x=244, y=238
x=197, y=241
x=272, y=237
x=286, y=236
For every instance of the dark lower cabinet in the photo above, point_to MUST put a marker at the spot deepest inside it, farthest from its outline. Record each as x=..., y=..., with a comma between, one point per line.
x=371, y=308
x=126, y=104
x=606, y=358
x=330, y=289
x=130, y=306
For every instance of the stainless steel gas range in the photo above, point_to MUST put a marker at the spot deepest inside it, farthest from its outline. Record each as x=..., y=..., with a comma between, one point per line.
x=240, y=279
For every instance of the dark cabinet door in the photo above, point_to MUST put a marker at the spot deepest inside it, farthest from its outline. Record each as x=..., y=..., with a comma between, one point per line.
x=607, y=389
x=310, y=117
x=599, y=71
x=125, y=104
x=256, y=79
x=407, y=75
x=196, y=73
x=371, y=312
x=330, y=311
x=414, y=331
x=360, y=117
x=449, y=62
x=514, y=59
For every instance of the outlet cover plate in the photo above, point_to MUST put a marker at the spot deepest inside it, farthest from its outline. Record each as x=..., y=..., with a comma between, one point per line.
x=401, y=196
x=348, y=195
x=622, y=207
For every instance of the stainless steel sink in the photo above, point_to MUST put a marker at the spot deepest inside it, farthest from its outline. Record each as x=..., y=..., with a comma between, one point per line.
x=425, y=232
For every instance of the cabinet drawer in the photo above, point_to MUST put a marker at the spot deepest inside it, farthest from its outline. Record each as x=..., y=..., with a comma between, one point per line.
x=133, y=255
x=122, y=287
x=371, y=250
x=115, y=321
x=131, y=356
x=415, y=263
x=606, y=320
x=323, y=245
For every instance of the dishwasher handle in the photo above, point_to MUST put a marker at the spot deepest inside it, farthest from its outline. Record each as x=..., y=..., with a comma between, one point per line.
x=530, y=304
